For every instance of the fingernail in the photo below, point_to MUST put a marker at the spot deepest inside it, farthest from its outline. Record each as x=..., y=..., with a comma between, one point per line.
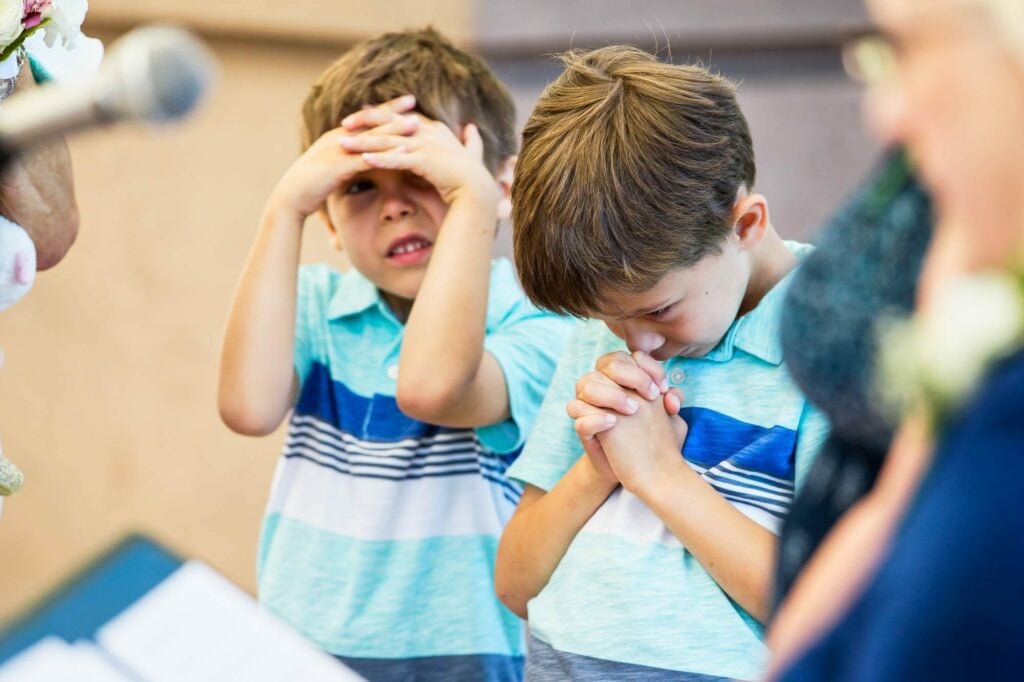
x=653, y=391
x=609, y=418
x=344, y=140
x=632, y=405
x=664, y=386
x=407, y=99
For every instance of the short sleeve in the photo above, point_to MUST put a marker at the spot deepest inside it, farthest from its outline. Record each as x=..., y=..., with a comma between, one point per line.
x=810, y=437
x=526, y=343
x=312, y=296
x=553, y=447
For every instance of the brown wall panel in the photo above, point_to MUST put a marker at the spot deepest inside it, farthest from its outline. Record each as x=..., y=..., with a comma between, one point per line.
x=297, y=19
x=107, y=395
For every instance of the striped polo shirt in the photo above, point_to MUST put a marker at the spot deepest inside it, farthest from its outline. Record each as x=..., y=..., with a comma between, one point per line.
x=627, y=598
x=381, y=531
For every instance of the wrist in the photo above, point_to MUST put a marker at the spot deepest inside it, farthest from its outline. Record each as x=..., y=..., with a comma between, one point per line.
x=479, y=194
x=280, y=212
x=663, y=482
x=593, y=478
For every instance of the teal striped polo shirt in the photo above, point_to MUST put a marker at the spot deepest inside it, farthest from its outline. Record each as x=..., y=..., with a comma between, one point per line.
x=628, y=598
x=381, y=531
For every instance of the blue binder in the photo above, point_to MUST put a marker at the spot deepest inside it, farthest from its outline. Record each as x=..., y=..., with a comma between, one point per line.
x=97, y=593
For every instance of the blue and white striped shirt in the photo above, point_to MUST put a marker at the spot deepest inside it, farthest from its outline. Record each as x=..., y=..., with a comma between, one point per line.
x=381, y=531
x=627, y=597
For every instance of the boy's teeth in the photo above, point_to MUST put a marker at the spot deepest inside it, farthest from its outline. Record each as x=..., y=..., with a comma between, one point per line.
x=409, y=247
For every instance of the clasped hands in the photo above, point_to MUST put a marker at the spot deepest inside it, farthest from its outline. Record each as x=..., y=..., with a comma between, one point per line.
x=389, y=136
x=627, y=419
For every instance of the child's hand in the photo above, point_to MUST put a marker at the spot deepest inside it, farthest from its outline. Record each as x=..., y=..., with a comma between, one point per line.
x=623, y=392
x=454, y=167
x=619, y=375
x=645, y=447
x=389, y=112
x=590, y=421
x=321, y=169
x=327, y=163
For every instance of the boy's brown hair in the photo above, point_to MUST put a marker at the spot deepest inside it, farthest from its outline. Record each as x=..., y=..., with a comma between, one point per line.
x=629, y=169
x=450, y=86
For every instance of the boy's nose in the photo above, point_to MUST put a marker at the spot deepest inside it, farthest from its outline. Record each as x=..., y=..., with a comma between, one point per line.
x=395, y=208
x=638, y=338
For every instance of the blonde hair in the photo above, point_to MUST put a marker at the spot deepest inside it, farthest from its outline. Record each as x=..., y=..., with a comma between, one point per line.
x=450, y=85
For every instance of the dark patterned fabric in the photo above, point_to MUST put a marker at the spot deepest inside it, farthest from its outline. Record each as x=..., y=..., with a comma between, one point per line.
x=866, y=265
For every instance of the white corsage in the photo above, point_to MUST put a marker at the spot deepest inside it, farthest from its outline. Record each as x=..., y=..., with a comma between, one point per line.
x=933, y=362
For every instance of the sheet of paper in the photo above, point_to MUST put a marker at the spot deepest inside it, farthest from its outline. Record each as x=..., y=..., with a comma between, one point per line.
x=198, y=626
x=52, y=659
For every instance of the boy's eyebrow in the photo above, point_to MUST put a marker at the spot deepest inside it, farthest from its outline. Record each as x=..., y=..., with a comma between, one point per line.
x=641, y=311
x=647, y=310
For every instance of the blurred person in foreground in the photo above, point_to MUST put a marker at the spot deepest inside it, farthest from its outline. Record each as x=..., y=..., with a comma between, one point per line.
x=40, y=42
x=922, y=579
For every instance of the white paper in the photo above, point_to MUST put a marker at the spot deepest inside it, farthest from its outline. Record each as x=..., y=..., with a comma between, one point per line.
x=196, y=626
x=52, y=659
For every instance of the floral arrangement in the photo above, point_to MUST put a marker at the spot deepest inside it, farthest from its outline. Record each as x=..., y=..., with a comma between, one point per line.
x=933, y=362
x=60, y=21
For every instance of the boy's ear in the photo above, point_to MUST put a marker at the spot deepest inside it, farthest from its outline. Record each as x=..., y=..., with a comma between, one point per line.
x=750, y=219
x=332, y=231
x=504, y=176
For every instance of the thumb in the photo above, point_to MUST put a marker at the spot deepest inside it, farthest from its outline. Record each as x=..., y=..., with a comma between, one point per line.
x=681, y=430
x=472, y=140
x=673, y=401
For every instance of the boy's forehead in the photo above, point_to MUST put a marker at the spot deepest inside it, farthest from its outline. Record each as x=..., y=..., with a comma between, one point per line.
x=621, y=304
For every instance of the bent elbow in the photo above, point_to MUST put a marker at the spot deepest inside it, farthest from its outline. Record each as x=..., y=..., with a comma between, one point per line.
x=432, y=405
x=244, y=420
x=512, y=601
x=505, y=585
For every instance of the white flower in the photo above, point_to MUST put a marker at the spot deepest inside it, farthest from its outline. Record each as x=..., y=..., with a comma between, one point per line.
x=11, y=13
x=977, y=319
x=65, y=25
x=937, y=359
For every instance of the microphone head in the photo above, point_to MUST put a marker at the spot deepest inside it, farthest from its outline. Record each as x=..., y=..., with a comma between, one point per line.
x=154, y=73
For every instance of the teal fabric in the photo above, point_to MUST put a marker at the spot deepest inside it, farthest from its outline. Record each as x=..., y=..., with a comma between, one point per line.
x=381, y=531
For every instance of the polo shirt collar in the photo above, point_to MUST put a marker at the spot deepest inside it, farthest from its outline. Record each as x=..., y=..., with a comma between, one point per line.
x=356, y=295
x=757, y=332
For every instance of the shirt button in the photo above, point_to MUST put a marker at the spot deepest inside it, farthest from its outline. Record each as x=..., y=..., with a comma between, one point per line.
x=393, y=372
x=676, y=376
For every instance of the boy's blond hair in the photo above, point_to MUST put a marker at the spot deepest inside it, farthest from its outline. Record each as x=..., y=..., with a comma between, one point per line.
x=450, y=86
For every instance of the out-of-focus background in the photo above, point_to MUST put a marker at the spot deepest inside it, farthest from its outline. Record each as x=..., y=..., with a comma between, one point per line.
x=108, y=391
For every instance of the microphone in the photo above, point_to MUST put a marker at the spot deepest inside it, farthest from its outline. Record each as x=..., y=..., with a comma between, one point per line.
x=155, y=74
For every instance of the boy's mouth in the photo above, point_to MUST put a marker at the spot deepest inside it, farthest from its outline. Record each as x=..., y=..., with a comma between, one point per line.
x=409, y=250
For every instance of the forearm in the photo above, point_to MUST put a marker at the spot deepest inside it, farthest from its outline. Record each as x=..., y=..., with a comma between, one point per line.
x=37, y=192
x=737, y=552
x=443, y=344
x=257, y=374
x=540, y=532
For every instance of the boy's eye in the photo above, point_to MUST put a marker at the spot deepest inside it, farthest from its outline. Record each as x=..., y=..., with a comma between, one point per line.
x=417, y=181
x=661, y=312
x=358, y=187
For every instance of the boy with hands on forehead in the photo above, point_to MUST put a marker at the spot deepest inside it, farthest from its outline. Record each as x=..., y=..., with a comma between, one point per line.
x=644, y=542
x=412, y=379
